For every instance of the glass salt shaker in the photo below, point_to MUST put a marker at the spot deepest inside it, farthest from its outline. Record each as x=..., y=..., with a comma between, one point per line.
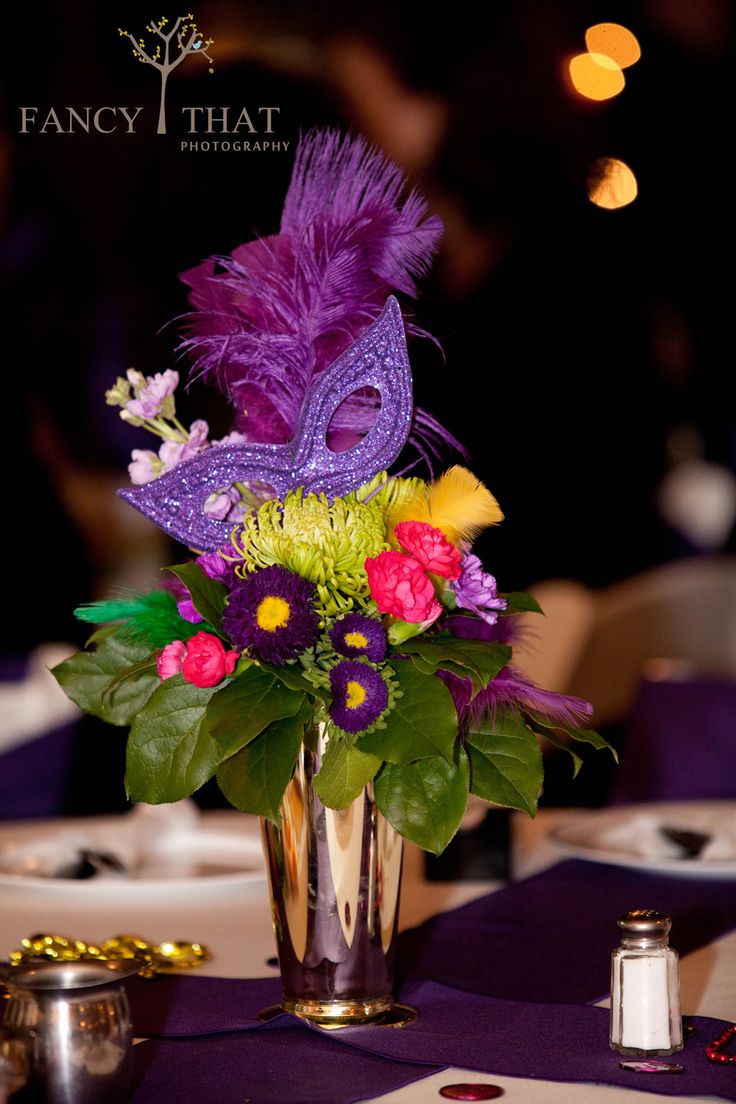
x=645, y=987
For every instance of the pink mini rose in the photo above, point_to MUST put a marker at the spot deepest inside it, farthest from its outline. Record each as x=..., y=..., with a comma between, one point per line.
x=171, y=659
x=430, y=547
x=206, y=662
x=400, y=587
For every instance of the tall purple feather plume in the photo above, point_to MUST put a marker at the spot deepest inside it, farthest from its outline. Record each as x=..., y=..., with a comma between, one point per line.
x=273, y=315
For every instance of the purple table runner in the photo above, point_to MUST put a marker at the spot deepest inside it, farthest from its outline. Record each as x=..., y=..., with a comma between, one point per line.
x=550, y=937
x=283, y=1062
x=516, y=967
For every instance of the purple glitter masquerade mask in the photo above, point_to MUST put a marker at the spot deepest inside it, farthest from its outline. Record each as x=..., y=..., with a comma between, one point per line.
x=175, y=502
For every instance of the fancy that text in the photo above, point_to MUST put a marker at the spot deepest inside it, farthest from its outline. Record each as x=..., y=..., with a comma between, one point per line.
x=108, y=120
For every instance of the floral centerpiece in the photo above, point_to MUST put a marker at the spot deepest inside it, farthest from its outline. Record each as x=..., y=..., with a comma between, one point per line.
x=326, y=603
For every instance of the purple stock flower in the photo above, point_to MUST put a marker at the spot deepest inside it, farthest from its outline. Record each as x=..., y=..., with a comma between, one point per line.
x=216, y=566
x=358, y=635
x=219, y=505
x=475, y=590
x=232, y=438
x=151, y=399
x=186, y=610
x=172, y=453
x=144, y=466
x=359, y=695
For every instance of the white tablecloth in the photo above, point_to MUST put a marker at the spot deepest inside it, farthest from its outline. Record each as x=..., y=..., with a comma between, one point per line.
x=235, y=924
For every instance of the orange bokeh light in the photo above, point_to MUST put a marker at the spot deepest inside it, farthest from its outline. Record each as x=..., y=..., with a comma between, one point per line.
x=615, y=42
x=611, y=184
x=596, y=76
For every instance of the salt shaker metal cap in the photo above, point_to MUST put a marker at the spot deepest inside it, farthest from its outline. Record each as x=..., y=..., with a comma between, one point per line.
x=644, y=926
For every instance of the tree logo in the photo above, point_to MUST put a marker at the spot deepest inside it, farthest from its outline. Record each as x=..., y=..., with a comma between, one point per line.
x=182, y=40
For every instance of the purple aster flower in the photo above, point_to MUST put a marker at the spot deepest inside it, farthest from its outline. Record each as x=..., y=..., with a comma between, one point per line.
x=271, y=612
x=359, y=695
x=475, y=590
x=356, y=635
x=151, y=399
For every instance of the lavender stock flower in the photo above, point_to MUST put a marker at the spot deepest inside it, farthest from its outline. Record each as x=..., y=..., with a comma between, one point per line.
x=154, y=398
x=144, y=466
x=475, y=590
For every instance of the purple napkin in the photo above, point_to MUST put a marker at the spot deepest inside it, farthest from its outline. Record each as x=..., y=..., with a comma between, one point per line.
x=283, y=1062
x=549, y=938
x=174, y=1005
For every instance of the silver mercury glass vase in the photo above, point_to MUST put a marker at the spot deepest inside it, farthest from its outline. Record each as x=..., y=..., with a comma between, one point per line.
x=335, y=876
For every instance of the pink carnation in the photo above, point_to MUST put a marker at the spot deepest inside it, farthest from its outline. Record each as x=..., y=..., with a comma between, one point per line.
x=430, y=547
x=171, y=659
x=206, y=662
x=400, y=587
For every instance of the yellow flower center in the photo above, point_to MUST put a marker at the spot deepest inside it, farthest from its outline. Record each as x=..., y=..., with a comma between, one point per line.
x=355, y=694
x=356, y=640
x=272, y=613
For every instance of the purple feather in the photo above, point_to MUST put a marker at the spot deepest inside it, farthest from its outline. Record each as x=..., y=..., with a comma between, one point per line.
x=272, y=316
x=511, y=687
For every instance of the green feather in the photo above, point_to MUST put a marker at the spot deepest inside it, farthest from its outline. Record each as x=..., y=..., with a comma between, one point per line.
x=152, y=618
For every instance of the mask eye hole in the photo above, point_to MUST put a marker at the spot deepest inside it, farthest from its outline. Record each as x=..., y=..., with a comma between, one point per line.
x=353, y=419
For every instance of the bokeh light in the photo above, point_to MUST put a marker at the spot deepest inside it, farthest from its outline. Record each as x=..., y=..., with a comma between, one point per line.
x=614, y=41
x=611, y=184
x=596, y=76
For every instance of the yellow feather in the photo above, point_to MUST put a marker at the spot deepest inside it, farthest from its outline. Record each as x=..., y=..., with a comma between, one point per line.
x=409, y=504
x=460, y=505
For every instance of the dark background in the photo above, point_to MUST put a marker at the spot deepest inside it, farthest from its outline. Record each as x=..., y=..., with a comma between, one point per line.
x=585, y=349
x=576, y=338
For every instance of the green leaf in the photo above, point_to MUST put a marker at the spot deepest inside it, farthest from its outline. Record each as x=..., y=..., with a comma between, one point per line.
x=113, y=682
x=477, y=658
x=589, y=736
x=170, y=752
x=581, y=735
x=506, y=764
x=208, y=595
x=421, y=724
x=557, y=741
x=247, y=705
x=345, y=771
x=425, y=801
x=518, y=601
x=293, y=677
x=254, y=779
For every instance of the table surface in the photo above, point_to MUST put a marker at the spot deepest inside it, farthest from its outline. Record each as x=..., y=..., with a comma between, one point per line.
x=236, y=927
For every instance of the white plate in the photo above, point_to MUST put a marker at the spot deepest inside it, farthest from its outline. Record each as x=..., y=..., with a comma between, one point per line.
x=627, y=836
x=222, y=851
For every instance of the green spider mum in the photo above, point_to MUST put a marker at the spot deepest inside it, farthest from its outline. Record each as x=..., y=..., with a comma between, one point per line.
x=326, y=543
